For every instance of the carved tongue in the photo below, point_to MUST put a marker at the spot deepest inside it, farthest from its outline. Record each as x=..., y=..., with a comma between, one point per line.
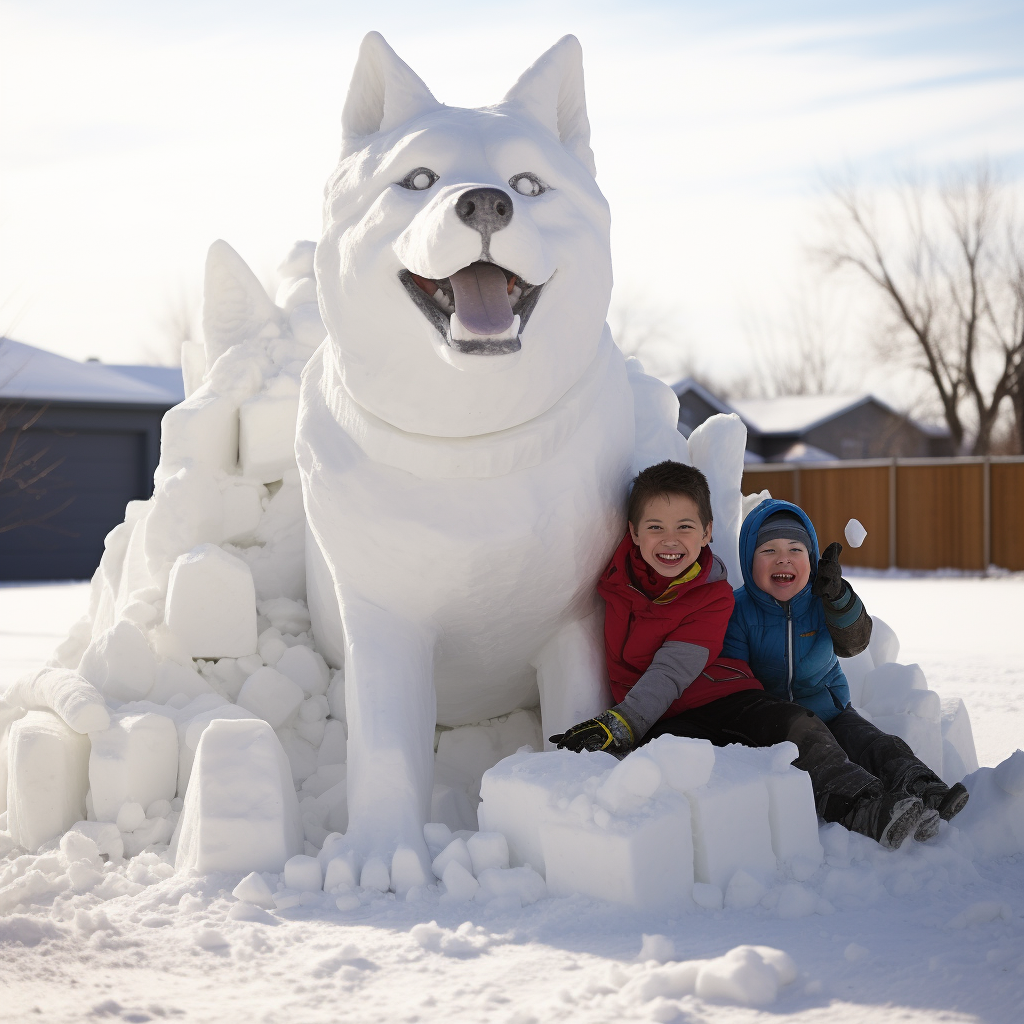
x=481, y=298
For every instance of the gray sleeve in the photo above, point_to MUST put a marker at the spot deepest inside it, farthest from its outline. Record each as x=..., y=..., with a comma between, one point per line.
x=671, y=671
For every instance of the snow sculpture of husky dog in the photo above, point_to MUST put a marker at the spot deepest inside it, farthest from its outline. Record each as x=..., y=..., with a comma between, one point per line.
x=466, y=433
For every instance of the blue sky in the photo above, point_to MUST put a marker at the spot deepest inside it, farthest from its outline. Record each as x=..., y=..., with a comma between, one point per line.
x=134, y=134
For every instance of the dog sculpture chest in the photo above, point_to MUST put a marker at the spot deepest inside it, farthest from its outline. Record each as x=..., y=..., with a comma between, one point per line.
x=466, y=432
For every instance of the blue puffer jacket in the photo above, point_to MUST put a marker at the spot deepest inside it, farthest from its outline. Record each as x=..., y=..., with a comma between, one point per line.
x=787, y=645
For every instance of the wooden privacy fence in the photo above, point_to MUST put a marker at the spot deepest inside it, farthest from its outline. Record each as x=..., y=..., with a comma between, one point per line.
x=962, y=513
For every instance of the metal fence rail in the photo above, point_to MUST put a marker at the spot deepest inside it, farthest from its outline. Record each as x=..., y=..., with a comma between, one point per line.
x=958, y=513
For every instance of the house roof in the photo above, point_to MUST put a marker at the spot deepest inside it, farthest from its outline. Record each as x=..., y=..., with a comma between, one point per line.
x=33, y=374
x=167, y=378
x=795, y=414
x=689, y=384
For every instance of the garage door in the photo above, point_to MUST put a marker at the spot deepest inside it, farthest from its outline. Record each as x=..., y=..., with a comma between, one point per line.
x=62, y=493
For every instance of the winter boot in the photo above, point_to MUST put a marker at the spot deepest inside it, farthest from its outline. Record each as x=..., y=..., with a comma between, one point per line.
x=948, y=804
x=919, y=780
x=927, y=826
x=889, y=819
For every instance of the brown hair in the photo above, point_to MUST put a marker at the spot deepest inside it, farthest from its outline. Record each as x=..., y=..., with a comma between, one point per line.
x=664, y=479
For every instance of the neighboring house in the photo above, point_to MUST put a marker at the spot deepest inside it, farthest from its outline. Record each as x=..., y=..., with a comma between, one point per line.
x=78, y=441
x=813, y=428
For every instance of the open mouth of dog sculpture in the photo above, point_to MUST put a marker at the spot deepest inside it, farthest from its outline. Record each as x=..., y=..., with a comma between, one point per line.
x=483, y=308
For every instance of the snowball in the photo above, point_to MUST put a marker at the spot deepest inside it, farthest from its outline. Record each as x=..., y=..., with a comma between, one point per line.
x=241, y=813
x=76, y=846
x=437, y=836
x=375, y=875
x=271, y=696
x=855, y=533
x=340, y=872
x=306, y=668
x=130, y=816
x=303, y=873
x=211, y=604
x=120, y=663
x=487, y=850
x=266, y=431
x=158, y=809
x=731, y=825
x=456, y=850
x=47, y=780
x=136, y=759
x=460, y=884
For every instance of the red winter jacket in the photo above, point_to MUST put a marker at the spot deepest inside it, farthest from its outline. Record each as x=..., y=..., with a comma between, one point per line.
x=679, y=628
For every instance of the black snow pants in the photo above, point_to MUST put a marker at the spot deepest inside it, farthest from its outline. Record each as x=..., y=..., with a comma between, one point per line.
x=758, y=719
x=887, y=757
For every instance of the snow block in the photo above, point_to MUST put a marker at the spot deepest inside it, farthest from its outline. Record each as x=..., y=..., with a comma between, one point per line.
x=959, y=757
x=211, y=604
x=897, y=699
x=685, y=763
x=855, y=669
x=884, y=646
x=791, y=812
x=731, y=823
x=192, y=721
x=135, y=760
x=303, y=873
x=306, y=668
x=241, y=813
x=519, y=791
x=65, y=693
x=120, y=663
x=994, y=815
x=487, y=850
x=271, y=696
x=266, y=431
x=48, y=775
x=643, y=859
x=202, y=429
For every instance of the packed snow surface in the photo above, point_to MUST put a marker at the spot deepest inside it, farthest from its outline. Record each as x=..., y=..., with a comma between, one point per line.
x=921, y=934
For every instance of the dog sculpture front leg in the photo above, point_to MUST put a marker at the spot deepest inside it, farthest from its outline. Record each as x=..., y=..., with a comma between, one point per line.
x=391, y=707
x=571, y=675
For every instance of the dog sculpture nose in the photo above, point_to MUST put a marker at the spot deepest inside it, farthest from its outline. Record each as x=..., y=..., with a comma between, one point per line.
x=484, y=209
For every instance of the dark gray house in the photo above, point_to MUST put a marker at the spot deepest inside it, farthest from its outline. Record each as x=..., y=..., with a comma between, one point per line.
x=813, y=428
x=78, y=441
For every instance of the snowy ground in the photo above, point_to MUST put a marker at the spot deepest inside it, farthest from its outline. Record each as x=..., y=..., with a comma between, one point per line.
x=923, y=934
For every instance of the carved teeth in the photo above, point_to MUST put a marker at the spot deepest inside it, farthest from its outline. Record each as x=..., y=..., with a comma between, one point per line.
x=462, y=333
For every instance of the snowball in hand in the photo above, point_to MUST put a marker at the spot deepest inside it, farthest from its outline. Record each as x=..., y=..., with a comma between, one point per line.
x=855, y=533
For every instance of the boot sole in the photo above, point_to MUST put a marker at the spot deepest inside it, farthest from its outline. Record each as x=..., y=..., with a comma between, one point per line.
x=955, y=801
x=905, y=816
x=928, y=826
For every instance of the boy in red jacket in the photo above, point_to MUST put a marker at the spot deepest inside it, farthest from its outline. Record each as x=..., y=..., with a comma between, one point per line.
x=667, y=605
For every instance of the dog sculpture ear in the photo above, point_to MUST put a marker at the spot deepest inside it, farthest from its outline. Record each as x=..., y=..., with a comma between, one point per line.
x=551, y=90
x=384, y=92
x=236, y=306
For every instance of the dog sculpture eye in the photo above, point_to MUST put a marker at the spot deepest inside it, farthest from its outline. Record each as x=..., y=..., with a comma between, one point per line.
x=419, y=179
x=526, y=183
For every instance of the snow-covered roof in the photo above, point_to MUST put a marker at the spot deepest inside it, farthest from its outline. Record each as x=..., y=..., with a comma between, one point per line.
x=795, y=414
x=33, y=374
x=802, y=452
x=167, y=378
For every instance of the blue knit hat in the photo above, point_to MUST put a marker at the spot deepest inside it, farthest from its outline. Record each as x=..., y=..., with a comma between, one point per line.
x=783, y=526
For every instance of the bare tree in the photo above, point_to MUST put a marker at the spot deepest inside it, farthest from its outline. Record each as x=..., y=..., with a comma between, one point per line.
x=951, y=277
x=24, y=469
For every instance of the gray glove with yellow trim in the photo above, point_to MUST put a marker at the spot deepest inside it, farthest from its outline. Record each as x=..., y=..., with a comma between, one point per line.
x=608, y=731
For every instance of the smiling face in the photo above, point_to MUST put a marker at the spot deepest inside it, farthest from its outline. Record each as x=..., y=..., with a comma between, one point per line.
x=670, y=534
x=781, y=568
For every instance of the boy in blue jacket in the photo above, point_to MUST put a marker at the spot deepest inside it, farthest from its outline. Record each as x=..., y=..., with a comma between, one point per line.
x=792, y=616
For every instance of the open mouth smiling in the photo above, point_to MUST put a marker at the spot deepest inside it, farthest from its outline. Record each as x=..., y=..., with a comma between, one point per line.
x=783, y=577
x=479, y=310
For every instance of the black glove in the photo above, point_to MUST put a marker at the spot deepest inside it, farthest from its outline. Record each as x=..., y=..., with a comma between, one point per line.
x=608, y=731
x=828, y=583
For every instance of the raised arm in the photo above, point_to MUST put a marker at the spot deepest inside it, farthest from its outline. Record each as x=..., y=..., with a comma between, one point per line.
x=847, y=620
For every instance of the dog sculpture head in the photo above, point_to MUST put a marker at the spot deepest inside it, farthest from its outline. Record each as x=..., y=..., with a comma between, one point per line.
x=464, y=271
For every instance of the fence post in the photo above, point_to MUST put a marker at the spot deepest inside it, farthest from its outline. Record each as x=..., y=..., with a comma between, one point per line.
x=796, y=485
x=892, y=514
x=986, y=514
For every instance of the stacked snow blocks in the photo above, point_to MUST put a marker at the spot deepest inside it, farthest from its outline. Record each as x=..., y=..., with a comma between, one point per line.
x=642, y=830
x=897, y=699
x=241, y=813
x=48, y=778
